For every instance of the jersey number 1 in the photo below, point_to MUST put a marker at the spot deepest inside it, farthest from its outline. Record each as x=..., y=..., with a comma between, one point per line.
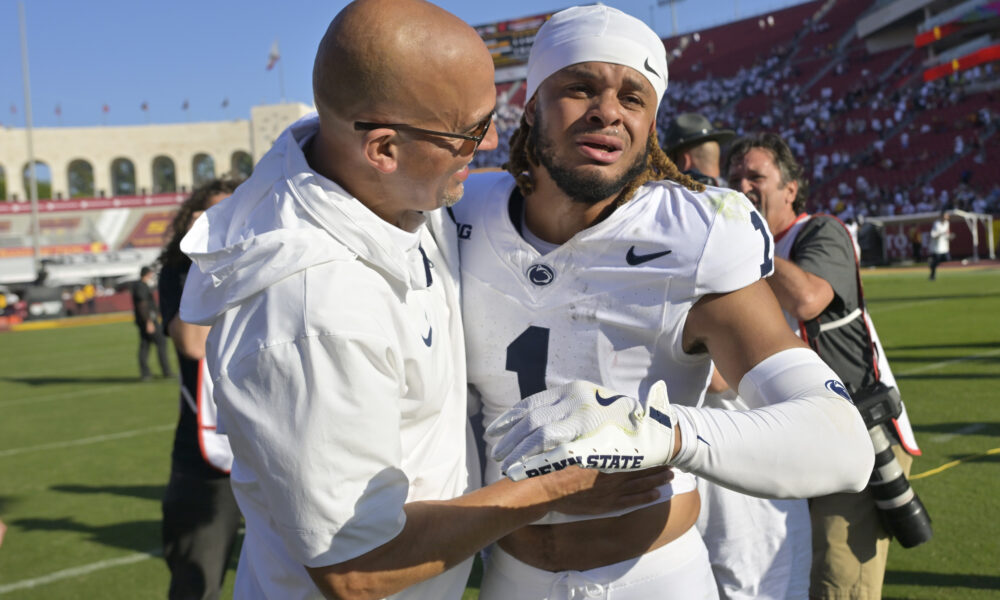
x=528, y=356
x=758, y=224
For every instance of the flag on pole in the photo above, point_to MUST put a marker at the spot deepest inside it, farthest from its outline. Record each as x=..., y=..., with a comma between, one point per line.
x=273, y=56
x=185, y=105
x=145, y=106
x=13, y=109
x=225, y=102
x=58, y=110
x=105, y=109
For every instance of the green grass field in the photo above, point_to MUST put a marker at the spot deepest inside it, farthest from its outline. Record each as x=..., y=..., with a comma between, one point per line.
x=84, y=447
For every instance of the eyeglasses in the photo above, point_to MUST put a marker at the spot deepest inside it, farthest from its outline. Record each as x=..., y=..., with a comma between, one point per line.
x=477, y=135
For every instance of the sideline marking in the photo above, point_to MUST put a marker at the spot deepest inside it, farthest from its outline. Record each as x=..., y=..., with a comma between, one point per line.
x=66, y=394
x=945, y=437
x=76, y=571
x=964, y=430
x=77, y=321
x=85, y=441
x=954, y=463
x=63, y=395
x=901, y=305
x=945, y=363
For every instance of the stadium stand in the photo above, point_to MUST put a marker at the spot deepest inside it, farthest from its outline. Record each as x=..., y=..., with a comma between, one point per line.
x=875, y=136
x=880, y=131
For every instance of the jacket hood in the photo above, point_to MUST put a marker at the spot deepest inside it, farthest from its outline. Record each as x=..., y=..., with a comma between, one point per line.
x=282, y=220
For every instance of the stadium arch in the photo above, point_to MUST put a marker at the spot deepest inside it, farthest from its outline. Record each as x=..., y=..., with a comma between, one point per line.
x=43, y=176
x=161, y=155
x=240, y=164
x=80, y=179
x=123, y=177
x=164, y=175
x=202, y=168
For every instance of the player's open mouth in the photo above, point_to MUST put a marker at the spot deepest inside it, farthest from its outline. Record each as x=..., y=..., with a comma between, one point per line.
x=601, y=148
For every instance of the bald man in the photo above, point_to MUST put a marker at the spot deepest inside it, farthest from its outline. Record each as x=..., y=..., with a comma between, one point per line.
x=331, y=285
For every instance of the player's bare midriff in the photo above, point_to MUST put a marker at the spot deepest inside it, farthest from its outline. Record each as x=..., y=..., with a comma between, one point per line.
x=595, y=543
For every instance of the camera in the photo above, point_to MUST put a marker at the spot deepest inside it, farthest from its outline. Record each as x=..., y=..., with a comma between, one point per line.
x=904, y=514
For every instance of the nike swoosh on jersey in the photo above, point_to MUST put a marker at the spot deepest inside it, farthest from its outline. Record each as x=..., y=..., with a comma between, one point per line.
x=427, y=340
x=637, y=259
x=606, y=401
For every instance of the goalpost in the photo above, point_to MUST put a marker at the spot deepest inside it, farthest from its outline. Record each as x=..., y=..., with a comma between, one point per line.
x=895, y=231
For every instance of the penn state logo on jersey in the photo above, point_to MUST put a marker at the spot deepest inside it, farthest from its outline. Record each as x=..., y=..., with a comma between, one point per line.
x=541, y=274
x=838, y=388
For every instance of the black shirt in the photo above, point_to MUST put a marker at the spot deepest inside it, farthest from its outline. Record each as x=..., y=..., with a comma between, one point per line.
x=187, y=452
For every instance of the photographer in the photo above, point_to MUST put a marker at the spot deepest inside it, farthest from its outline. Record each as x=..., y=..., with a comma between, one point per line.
x=817, y=283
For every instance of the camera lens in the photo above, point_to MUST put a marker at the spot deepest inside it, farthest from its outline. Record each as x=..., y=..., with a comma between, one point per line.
x=905, y=516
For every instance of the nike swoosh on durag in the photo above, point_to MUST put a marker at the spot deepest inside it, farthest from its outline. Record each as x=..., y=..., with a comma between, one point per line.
x=427, y=340
x=649, y=68
x=606, y=401
x=637, y=259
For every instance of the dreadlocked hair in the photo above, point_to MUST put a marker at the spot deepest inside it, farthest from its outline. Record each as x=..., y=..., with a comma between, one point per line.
x=659, y=167
x=521, y=157
x=197, y=201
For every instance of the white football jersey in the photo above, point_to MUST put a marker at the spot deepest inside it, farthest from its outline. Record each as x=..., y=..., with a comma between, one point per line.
x=609, y=305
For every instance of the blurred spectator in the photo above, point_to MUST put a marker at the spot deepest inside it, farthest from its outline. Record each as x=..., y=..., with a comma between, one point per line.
x=79, y=300
x=200, y=515
x=916, y=243
x=147, y=319
x=89, y=294
x=940, y=241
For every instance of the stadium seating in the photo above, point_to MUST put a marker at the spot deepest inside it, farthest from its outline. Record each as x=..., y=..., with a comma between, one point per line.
x=873, y=137
x=802, y=72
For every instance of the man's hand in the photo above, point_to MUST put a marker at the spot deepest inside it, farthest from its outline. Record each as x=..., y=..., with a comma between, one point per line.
x=150, y=326
x=584, y=424
x=610, y=492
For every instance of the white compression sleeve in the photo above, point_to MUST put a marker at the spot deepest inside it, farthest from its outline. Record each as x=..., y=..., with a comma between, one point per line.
x=803, y=440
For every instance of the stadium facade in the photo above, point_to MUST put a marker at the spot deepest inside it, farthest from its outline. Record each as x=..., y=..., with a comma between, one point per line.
x=140, y=160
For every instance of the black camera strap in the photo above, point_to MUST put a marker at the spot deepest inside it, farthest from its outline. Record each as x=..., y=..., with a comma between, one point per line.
x=812, y=329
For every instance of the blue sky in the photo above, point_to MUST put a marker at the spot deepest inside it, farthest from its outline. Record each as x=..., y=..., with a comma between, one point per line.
x=87, y=53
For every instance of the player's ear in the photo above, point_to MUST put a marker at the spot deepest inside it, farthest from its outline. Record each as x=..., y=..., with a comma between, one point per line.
x=381, y=150
x=529, y=110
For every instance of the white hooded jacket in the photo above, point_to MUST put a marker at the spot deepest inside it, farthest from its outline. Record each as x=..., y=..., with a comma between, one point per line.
x=337, y=355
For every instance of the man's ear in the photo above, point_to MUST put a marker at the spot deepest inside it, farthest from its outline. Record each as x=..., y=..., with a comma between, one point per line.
x=529, y=110
x=380, y=149
x=792, y=189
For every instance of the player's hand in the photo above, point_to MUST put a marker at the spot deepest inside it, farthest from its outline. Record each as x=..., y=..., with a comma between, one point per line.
x=585, y=424
x=150, y=327
x=609, y=492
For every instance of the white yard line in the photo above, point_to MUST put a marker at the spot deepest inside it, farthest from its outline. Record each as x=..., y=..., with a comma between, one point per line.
x=879, y=309
x=77, y=571
x=946, y=437
x=85, y=441
x=63, y=395
x=945, y=363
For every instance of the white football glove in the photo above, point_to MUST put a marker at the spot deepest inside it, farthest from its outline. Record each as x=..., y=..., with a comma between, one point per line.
x=585, y=424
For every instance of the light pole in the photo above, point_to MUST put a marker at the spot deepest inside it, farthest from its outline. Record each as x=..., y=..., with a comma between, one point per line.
x=32, y=175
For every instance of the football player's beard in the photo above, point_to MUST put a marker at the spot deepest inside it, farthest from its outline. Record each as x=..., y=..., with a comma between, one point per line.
x=583, y=188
